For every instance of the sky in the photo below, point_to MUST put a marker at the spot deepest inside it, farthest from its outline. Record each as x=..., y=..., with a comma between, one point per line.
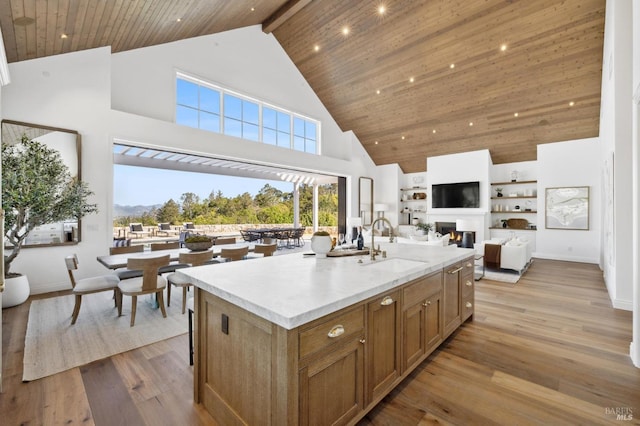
x=133, y=186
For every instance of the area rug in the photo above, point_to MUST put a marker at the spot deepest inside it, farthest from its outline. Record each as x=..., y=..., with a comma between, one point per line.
x=501, y=275
x=53, y=345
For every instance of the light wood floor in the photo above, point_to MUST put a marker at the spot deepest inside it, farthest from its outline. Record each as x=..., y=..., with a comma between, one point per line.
x=549, y=350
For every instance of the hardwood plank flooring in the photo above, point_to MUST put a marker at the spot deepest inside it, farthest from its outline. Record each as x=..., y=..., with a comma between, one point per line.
x=548, y=350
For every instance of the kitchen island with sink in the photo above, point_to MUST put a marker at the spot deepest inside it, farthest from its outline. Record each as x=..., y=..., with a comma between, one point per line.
x=297, y=340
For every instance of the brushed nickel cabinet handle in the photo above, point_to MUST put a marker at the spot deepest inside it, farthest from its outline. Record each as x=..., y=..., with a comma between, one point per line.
x=386, y=301
x=337, y=330
x=455, y=270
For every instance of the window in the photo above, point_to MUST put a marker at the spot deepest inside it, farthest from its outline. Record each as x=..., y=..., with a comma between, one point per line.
x=207, y=107
x=197, y=106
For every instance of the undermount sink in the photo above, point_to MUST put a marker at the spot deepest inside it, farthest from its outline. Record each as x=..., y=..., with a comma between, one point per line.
x=391, y=264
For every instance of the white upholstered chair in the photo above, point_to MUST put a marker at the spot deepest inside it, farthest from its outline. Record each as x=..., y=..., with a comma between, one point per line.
x=87, y=285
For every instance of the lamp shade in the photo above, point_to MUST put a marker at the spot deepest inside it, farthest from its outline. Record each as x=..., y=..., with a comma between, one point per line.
x=464, y=225
x=380, y=207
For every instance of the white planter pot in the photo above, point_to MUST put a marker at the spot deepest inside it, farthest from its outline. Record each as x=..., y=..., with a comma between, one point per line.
x=321, y=245
x=16, y=291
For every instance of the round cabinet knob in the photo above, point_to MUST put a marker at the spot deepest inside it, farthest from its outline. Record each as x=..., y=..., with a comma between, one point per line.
x=426, y=303
x=362, y=341
x=469, y=265
x=386, y=301
x=468, y=283
x=469, y=305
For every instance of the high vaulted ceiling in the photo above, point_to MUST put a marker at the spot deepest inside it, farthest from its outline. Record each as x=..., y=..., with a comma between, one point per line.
x=417, y=79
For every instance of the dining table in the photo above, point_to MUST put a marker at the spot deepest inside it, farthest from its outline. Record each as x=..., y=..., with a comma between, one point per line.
x=115, y=261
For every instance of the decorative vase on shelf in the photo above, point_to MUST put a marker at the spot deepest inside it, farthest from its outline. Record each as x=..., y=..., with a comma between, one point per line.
x=321, y=244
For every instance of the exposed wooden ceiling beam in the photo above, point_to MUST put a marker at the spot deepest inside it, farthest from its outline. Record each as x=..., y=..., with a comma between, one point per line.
x=283, y=14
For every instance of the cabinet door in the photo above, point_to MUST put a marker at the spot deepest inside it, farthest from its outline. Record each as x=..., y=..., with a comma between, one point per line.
x=383, y=345
x=452, y=293
x=332, y=387
x=413, y=335
x=433, y=321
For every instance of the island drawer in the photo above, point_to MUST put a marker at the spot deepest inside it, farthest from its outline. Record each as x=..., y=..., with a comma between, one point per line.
x=467, y=286
x=422, y=288
x=325, y=331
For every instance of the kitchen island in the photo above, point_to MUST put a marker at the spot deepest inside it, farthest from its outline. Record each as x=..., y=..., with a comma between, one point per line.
x=298, y=340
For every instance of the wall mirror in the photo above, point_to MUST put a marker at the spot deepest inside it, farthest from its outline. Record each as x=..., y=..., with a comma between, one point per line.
x=67, y=143
x=365, y=200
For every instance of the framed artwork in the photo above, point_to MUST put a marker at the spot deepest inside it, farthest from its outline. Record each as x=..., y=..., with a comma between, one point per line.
x=567, y=208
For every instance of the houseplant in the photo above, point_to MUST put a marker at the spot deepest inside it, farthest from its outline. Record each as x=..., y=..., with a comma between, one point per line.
x=37, y=188
x=424, y=228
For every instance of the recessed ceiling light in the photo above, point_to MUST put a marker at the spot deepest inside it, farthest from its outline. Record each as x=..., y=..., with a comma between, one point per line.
x=345, y=30
x=572, y=103
x=382, y=9
x=178, y=19
x=378, y=92
x=253, y=9
x=411, y=80
x=503, y=47
x=470, y=123
x=515, y=114
x=452, y=66
x=433, y=131
x=403, y=137
x=63, y=36
x=316, y=48
x=376, y=142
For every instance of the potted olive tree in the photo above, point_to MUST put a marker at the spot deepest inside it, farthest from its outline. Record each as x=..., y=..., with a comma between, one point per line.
x=37, y=188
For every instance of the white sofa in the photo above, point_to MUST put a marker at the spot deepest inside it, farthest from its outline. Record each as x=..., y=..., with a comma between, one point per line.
x=514, y=253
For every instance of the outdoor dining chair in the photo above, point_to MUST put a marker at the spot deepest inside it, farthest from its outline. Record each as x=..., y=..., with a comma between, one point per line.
x=233, y=254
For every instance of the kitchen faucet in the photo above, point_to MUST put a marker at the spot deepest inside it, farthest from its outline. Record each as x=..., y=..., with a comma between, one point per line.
x=373, y=250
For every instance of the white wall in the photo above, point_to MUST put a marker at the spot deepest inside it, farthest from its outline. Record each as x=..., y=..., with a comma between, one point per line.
x=616, y=148
x=463, y=167
x=245, y=60
x=635, y=345
x=573, y=163
x=74, y=91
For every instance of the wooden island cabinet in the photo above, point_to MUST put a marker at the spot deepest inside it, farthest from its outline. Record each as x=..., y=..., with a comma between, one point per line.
x=328, y=371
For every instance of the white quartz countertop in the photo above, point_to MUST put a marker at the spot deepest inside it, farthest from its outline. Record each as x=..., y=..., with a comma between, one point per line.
x=291, y=290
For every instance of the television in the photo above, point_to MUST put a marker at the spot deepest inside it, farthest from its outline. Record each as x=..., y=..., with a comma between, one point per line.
x=455, y=195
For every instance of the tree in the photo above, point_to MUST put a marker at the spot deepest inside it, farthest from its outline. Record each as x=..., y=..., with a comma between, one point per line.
x=190, y=203
x=169, y=212
x=37, y=188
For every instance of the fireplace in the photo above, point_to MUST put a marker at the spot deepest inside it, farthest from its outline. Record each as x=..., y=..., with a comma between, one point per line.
x=450, y=228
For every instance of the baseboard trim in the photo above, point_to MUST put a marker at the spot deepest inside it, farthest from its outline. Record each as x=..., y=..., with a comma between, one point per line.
x=625, y=305
x=49, y=287
x=579, y=259
x=634, y=352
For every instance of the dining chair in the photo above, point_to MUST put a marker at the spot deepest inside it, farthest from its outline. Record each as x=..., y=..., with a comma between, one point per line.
x=264, y=250
x=172, y=245
x=269, y=240
x=191, y=259
x=232, y=254
x=126, y=249
x=225, y=240
x=88, y=285
x=126, y=273
x=150, y=282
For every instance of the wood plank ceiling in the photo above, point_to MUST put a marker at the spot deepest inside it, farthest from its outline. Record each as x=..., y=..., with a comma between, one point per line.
x=423, y=78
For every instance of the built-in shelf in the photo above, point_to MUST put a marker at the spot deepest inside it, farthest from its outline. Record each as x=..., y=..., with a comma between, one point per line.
x=506, y=197
x=415, y=188
x=515, y=211
x=511, y=229
x=519, y=182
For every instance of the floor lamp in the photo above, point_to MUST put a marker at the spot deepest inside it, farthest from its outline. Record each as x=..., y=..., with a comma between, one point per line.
x=467, y=227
